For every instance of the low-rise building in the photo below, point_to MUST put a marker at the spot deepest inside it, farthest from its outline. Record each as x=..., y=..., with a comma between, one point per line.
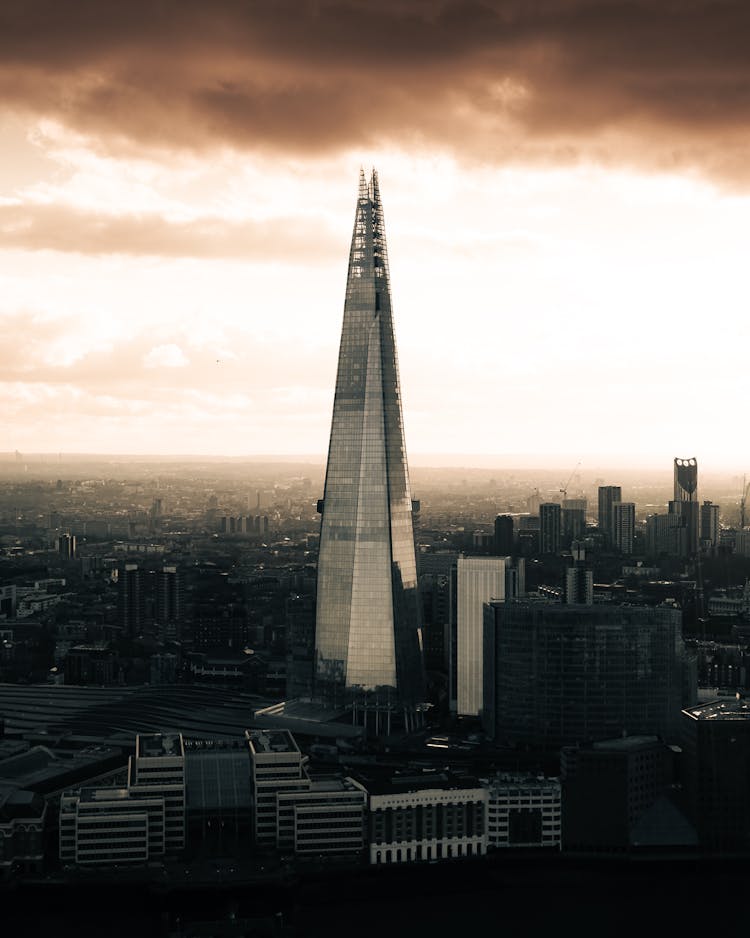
x=523, y=811
x=426, y=817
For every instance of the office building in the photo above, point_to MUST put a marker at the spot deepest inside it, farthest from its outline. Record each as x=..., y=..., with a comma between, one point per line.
x=523, y=811
x=22, y=819
x=426, y=817
x=550, y=519
x=716, y=772
x=623, y=527
x=367, y=635
x=479, y=579
x=616, y=796
x=131, y=605
x=294, y=812
x=685, y=503
x=558, y=674
x=608, y=496
x=709, y=529
x=573, y=519
x=504, y=536
x=66, y=546
x=157, y=770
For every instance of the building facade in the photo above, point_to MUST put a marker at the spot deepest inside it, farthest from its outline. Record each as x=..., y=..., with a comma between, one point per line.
x=558, y=674
x=367, y=634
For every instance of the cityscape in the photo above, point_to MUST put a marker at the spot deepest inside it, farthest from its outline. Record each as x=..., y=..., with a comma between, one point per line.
x=258, y=677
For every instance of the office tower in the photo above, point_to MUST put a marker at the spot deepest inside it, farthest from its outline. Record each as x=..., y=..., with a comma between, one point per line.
x=573, y=519
x=579, y=585
x=559, y=674
x=685, y=502
x=608, y=495
x=709, y=533
x=479, y=579
x=549, y=527
x=523, y=811
x=623, y=526
x=130, y=600
x=504, y=535
x=367, y=635
x=66, y=546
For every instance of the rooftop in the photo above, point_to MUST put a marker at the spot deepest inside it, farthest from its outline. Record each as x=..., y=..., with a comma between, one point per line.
x=157, y=745
x=268, y=741
x=728, y=708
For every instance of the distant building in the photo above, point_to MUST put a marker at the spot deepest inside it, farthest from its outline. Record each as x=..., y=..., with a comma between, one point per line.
x=66, y=546
x=550, y=520
x=709, y=525
x=623, y=526
x=608, y=496
x=685, y=503
x=504, y=536
x=573, y=519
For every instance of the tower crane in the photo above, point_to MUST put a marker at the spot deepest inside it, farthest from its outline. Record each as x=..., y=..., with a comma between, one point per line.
x=564, y=489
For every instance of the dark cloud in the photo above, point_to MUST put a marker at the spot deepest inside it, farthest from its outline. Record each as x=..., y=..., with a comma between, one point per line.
x=661, y=81
x=62, y=228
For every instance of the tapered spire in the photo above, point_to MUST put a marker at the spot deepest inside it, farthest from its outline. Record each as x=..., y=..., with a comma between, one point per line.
x=367, y=626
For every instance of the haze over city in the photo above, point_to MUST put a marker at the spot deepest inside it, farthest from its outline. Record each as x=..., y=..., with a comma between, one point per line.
x=565, y=190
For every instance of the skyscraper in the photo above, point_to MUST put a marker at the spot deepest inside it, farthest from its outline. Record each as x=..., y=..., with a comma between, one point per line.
x=623, y=526
x=685, y=501
x=608, y=495
x=549, y=527
x=367, y=635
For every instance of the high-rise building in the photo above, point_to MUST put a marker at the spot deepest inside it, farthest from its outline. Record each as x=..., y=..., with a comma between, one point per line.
x=557, y=674
x=573, y=519
x=479, y=579
x=608, y=495
x=623, y=526
x=130, y=599
x=709, y=533
x=685, y=502
x=549, y=527
x=367, y=635
x=504, y=535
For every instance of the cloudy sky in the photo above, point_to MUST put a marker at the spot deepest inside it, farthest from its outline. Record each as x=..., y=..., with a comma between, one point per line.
x=567, y=196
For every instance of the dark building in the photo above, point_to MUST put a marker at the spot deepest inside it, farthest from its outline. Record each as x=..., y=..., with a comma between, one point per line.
x=616, y=796
x=367, y=617
x=131, y=600
x=716, y=772
x=557, y=674
x=550, y=531
x=300, y=643
x=686, y=503
x=609, y=495
x=504, y=536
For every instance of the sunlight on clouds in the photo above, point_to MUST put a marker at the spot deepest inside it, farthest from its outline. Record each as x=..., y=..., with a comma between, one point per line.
x=166, y=356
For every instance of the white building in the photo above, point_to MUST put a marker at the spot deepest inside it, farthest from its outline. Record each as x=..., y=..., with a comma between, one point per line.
x=523, y=811
x=478, y=580
x=422, y=818
x=158, y=770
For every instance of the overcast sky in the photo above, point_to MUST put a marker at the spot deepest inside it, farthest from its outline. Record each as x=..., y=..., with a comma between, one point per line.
x=566, y=188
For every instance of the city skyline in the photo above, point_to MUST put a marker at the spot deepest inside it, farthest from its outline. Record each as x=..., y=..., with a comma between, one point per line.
x=568, y=184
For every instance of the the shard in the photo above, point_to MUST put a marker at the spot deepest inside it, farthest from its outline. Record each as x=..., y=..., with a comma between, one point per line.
x=367, y=636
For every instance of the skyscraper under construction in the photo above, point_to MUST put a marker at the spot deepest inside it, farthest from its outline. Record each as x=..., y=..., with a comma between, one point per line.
x=367, y=636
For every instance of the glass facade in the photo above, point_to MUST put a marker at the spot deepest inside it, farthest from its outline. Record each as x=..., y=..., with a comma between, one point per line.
x=367, y=628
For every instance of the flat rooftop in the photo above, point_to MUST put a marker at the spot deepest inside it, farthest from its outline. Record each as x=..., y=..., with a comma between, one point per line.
x=728, y=708
x=271, y=741
x=158, y=745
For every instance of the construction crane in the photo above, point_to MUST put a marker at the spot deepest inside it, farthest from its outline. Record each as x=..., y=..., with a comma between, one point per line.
x=564, y=489
x=745, y=489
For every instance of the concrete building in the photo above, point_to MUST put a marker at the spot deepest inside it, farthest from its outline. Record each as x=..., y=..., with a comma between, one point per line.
x=296, y=813
x=419, y=817
x=623, y=526
x=550, y=527
x=157, y=770
x=479, y=579
x=608, y=496
x=709, y=525
x=22, y=819
x=523, y=811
